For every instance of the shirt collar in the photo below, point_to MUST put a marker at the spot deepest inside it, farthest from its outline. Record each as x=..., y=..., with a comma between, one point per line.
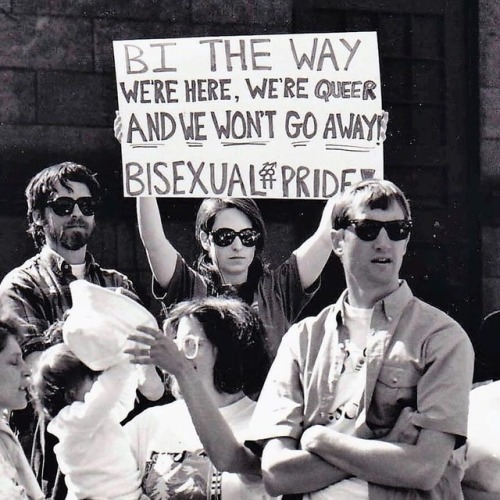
x=394, y=304
x=57, y=262
x=391, y=306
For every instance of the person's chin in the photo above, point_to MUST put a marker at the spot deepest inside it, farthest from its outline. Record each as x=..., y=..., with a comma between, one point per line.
x=75, y=240
x=22, y=403
x=240, y=264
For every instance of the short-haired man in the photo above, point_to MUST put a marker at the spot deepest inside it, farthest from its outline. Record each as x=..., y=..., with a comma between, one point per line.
x=62, y=201
x=369, y=399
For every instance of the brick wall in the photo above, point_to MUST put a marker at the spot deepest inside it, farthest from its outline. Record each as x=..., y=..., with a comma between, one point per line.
x=489, y=81
x=57, y=102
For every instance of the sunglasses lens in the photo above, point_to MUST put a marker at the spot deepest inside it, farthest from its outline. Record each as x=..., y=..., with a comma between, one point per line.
x=249, y=237
x=398, y=230
x=87, y=206
x=62, y=206
x=367, y=230
x=223, y=237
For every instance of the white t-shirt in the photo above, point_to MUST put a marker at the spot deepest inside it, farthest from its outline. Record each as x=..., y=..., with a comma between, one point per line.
x=93, y=450
x=78, y=270
x=346, y=403
x=171, y=458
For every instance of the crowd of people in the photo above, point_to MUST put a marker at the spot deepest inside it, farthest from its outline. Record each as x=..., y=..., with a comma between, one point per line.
x=231, y=396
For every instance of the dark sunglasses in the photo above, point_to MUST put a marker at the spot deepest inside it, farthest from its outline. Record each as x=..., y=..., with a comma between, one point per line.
x=224, y=236
x=368, y=229
x=65, y=205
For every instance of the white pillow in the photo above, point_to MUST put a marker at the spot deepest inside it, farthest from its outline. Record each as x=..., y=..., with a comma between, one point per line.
x=99, y=323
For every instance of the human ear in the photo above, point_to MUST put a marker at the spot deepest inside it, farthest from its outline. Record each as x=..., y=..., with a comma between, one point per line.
x=38, y=217
x=337, y=237
x=205, y=242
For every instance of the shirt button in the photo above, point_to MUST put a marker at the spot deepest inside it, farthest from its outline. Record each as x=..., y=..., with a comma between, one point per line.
x=389, y=318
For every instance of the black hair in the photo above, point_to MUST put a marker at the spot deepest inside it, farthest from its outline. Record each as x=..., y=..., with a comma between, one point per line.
x=41, y=187
x=237, y=332
x=205, y=220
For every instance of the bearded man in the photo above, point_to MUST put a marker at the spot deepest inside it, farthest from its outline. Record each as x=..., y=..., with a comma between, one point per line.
x=62, y=202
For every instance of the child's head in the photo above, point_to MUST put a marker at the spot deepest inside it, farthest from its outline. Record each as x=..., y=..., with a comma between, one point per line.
x=60, y=378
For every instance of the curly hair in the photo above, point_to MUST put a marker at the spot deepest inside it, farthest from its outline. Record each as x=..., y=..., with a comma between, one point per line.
x=40, y=188
x=237, y=332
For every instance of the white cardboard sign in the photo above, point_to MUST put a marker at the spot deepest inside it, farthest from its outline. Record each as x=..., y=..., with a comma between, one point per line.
x=273, y=116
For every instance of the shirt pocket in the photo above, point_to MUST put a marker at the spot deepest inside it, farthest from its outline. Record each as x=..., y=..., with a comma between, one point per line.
x=395, y=389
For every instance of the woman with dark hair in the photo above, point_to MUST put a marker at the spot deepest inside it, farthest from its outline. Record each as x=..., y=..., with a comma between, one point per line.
x=213, y=348
x=208, y=263
x=230, y=233
x=17, y=480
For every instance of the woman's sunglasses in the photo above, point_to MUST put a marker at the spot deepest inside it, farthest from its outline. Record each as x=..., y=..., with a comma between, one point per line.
x=224, y=236
x=369, y=229
x=65, y=205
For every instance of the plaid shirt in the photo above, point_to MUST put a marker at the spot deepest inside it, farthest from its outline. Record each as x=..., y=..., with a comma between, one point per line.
x=37, y=293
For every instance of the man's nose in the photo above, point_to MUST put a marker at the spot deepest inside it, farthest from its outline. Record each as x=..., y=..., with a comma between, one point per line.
x=76, y=212
x=382, y=240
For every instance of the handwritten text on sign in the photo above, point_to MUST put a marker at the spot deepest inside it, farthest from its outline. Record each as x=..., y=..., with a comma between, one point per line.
x=281, y=116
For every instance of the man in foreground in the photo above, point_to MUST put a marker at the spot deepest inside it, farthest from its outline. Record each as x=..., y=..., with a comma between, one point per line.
x=368, y=399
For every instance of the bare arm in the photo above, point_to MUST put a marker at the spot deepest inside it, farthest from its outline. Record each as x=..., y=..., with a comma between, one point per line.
x=418, y=466
x=225, y=452
x=221, y=445
x=313, y=254
x=151, y=386
x=162, y=256
x=286, y=469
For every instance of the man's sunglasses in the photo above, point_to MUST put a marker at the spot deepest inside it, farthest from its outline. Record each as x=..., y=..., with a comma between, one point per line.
x=224, y=236
x=368, y=229
x=65, y=205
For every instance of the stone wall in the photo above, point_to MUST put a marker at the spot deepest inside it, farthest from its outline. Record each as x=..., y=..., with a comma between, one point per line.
x=58, y=99
x=489, y=82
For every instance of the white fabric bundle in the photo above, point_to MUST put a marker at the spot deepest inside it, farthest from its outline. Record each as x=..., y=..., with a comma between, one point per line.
x=99, y=323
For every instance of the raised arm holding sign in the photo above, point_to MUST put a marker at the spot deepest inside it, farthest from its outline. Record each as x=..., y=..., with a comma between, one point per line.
x=233, y=118
x=231, y=235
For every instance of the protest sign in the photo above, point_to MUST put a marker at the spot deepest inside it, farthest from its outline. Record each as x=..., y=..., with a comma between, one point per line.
x=277, y=116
